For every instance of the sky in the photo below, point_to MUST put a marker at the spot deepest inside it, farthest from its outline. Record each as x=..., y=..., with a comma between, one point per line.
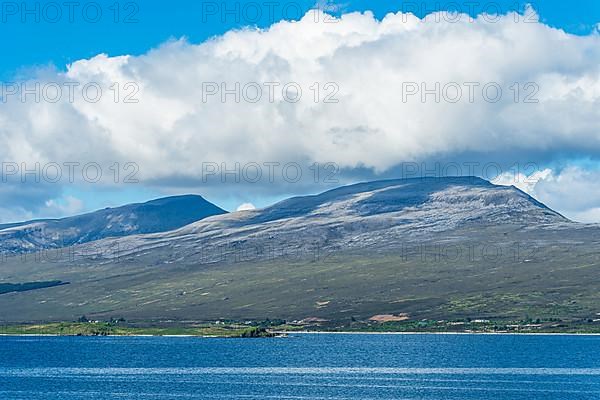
x=39, y=35
x=349, y=91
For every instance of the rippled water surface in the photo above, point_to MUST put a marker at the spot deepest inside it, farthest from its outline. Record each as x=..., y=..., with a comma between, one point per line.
x=303, y=366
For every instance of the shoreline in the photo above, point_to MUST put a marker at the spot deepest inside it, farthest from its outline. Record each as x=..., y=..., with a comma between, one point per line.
x=283, y=334
x=437, y=333
x=233, y=330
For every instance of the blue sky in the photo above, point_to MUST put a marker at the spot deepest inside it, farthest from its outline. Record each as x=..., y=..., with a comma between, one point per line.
x=143, y=25
x=135, y=28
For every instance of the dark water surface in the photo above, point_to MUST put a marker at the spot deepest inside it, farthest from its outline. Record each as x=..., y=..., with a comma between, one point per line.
x=310, y=366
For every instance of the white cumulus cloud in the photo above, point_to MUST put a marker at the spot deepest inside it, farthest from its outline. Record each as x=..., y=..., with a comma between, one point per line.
x=246, y=207
x=574, y=190
x=364, y=66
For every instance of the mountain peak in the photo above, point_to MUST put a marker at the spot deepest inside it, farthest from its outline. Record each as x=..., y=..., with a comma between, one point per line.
x=467, y=195
x=158, y=215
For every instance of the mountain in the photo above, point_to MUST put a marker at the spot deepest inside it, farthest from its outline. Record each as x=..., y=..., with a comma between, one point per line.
x=436, y=248
x=378, y=213
x=153, y=216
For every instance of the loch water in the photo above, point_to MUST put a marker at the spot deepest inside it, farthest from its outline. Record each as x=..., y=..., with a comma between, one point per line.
x=302, y=366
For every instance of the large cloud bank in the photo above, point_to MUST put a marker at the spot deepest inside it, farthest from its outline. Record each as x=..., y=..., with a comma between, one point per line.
x=375, y=117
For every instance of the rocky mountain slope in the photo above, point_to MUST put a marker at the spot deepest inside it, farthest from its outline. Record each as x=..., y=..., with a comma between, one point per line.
x=381, y=213
x=153, y=216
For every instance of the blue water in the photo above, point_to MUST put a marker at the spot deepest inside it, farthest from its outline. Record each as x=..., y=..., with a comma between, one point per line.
x=317, y=366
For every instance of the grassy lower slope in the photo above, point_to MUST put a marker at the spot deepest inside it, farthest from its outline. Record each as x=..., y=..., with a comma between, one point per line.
x=523, y=276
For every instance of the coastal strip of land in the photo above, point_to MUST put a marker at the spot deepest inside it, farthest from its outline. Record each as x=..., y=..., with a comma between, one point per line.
x=112, y=329
x=268, y=328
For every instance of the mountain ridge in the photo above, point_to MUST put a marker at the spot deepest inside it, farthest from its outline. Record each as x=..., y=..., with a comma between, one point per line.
x=379, y=212
x=161, y=214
